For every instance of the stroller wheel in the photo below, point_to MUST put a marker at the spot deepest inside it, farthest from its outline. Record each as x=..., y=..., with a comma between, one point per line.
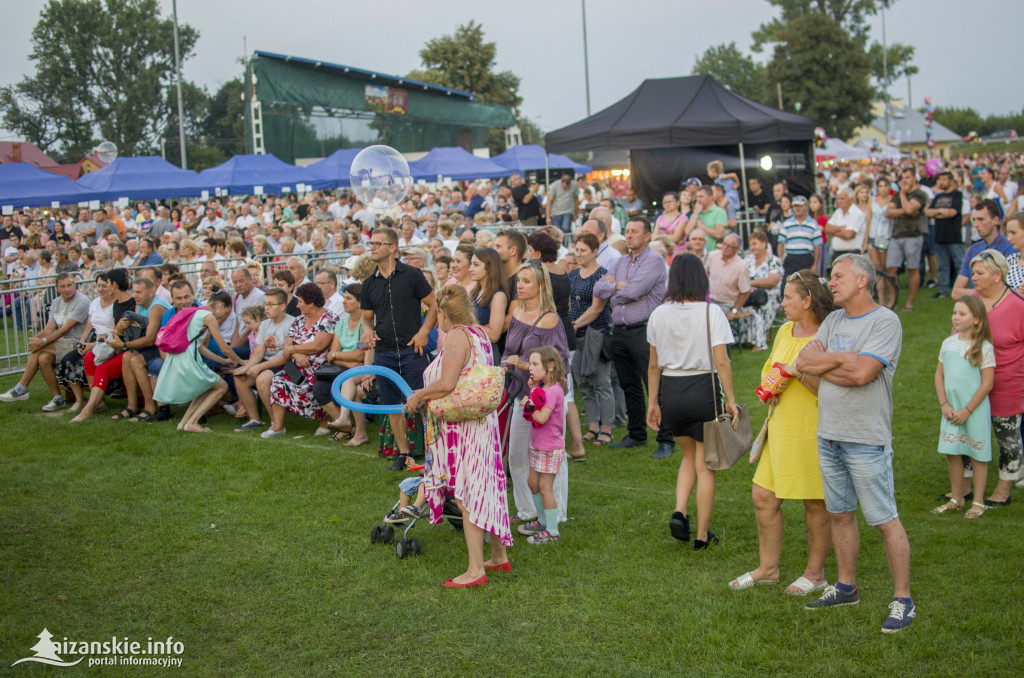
x=388, y=535
x=375, y=534
x=401, y=549
x=414, y=545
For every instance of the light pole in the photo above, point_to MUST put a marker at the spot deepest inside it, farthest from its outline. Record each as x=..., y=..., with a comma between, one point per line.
x=586, y=62
x=885, y=81
x=177, y=75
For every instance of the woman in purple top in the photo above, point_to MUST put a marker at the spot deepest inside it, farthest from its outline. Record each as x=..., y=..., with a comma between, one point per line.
x=534, y=323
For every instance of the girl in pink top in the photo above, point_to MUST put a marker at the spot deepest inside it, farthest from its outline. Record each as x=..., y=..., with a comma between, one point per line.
x=544, y=407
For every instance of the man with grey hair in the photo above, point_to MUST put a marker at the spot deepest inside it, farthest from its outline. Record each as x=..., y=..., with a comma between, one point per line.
x=606, y=254
x=851, y=363
x=846, y=226
x=728, y=277
x=162, y=224
x=297, y=267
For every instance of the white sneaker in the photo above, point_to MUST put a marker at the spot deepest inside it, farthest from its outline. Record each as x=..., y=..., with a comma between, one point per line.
x=9, y=397
x=321, y=432
x=271, y=433
x=229, y=408
x=55, y=404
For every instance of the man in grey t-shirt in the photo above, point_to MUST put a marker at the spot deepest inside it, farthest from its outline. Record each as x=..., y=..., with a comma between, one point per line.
x=68, y=313
x=854, y=355
x=561, y=205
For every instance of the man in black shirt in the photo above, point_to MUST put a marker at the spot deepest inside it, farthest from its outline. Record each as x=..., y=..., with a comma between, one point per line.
x=525, y=200
x=7, y=229
x=757, y=197
x=391, y=300
x=945, y=209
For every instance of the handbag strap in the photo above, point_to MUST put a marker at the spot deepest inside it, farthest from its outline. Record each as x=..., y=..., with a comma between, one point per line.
x=530, y=331
x=711, y=357
x=472, y=347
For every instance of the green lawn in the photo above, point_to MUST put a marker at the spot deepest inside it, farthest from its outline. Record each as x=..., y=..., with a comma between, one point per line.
x=256, y=556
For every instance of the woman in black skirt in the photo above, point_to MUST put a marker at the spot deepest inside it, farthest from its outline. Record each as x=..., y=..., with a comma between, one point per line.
x=680, y=368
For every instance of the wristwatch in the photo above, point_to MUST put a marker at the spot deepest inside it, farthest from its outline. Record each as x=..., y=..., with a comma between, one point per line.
x=735, y=310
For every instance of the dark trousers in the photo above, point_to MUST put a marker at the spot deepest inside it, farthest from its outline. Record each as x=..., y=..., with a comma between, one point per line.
x=795, y=263
x=631, y=354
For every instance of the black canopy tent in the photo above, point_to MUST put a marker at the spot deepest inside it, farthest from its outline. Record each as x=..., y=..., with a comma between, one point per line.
x=664, y=116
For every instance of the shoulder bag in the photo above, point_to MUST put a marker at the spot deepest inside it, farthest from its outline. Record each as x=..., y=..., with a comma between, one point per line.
x=477, y=393
x=723, y=445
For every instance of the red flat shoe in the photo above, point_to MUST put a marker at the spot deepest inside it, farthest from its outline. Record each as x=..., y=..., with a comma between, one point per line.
x=504, y=567
x=448, y=583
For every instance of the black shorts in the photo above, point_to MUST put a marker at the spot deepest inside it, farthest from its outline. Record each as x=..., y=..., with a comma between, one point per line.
x=687, y=404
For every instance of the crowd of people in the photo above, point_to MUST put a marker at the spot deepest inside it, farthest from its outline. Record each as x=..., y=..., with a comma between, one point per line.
x=254, y=309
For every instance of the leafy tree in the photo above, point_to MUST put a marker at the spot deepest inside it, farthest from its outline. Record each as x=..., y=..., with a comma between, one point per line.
x=825, y=69
x=899, y=63
x=195, y=102
x=465, y=62
x=850, y=15
x=960, y=120
x=737, y=71
x=224, y=125
x=103, y=69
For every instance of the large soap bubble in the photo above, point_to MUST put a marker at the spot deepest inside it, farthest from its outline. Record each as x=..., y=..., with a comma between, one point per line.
x=380, y=177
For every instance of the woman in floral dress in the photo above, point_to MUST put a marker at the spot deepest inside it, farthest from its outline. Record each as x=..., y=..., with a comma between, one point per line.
x=765, y=273
x=464, y=458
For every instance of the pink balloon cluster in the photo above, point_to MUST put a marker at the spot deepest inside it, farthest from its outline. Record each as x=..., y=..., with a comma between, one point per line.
x=929, y=120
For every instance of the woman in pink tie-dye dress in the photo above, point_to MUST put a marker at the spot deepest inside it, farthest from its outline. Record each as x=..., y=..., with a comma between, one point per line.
x=464, y=458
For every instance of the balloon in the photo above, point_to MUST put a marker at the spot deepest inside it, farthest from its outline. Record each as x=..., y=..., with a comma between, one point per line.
x=928, y=101
x=364, y=407
x=933, y=166
x=380, y=177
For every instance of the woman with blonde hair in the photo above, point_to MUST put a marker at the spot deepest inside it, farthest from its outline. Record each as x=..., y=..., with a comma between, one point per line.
x=464, y=459
x=534, y=322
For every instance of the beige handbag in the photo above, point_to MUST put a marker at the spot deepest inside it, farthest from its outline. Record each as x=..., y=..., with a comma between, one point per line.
x=723, y=445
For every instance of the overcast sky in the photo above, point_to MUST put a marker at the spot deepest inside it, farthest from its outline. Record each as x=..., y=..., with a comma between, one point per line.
x=966, y=58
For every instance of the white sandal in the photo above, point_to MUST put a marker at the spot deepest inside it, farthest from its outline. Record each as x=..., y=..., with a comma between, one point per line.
x=805, y=586
x=745, y=581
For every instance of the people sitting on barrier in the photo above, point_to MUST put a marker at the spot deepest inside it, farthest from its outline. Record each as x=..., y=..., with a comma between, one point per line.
x=68, y=313
x=103, y=360
x=141, y=363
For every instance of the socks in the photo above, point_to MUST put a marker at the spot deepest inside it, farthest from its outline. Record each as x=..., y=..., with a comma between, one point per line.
x=846, y=588
x=538, y=501
x=552, y=521
x=19, y=390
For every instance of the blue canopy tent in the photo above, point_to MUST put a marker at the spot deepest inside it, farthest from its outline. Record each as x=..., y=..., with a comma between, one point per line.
x=144, y=178
x=532, y=157
x=335, y=168
x=452, y=162
x=25, y=185
x=258, y=174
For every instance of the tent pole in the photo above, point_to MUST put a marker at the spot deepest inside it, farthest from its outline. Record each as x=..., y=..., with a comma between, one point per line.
x=547, y=174
x=743, y=178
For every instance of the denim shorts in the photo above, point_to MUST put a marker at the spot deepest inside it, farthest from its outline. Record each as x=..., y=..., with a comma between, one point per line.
x=409, y=364
x=408, y=486
x=852, y=472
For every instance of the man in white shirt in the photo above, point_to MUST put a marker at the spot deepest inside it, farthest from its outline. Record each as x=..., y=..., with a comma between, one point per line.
x=606, y=254
x=211, y=220
x=327, y=281
x=338, y=210
x=297, y=267
x=247, y=218
x=846, y=226
x=409, y=237
x=246, y=294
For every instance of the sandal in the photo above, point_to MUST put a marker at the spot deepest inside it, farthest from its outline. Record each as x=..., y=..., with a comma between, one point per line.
x=124, y=414
x=143, y=416
x=590, y=436
x=340, y=435
x=976, y=511
x=603, y=438
x=951, y=505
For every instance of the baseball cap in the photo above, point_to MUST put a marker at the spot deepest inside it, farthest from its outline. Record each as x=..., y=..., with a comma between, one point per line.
x=692, y=181
x=352, y=262
x=799, y=200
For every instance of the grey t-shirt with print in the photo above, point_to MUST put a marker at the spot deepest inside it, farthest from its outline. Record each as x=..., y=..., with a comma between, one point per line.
x=61, y=311
x=860, y=414
x=273, y=335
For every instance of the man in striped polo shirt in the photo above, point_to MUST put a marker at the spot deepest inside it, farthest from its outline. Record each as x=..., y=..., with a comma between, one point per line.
x=799, y=240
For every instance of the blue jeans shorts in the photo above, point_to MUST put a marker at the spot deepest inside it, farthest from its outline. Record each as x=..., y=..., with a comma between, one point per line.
x=852, y=472
x=409, y=485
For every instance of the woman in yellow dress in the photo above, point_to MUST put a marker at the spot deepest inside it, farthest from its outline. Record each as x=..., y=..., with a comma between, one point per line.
x=788, y=468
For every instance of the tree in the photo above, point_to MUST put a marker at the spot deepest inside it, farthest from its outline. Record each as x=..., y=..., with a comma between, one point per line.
x=737, y=71
x=826, y=70
x=960, y=120
x=465, y=62
x=194, y=101
x=103, y=68
x=850, y=15
x=899, y=63
x=224, y=126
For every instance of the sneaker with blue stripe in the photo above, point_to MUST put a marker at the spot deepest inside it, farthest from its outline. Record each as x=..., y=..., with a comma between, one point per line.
x=833, y=597
x=900, y=616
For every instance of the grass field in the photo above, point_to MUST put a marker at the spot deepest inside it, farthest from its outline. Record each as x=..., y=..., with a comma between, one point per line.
x=256, y=556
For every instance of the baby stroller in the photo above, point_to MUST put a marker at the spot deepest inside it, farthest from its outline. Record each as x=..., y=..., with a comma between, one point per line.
x=405, y=545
